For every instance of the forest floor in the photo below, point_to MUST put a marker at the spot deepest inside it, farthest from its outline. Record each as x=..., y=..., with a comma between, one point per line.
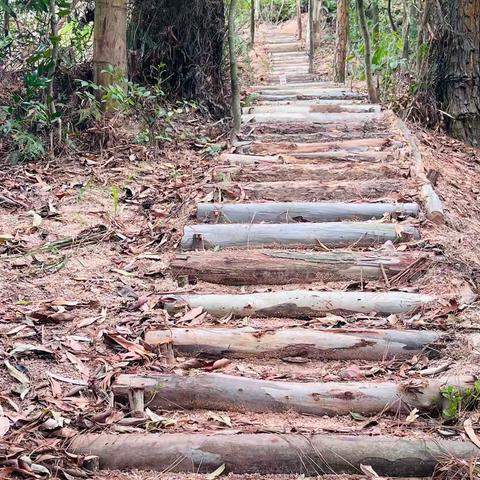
x=85, y=243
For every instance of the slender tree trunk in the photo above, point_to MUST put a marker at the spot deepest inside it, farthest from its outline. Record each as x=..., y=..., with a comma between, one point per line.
x=6, y=20
x=372, y=91
x=236, y=108
x=311, y=34
x=252, y=22
x=317, y=21
x=110, y=41
x=258, y=9
x=375, y=21
x=299, y=19
x=53, y=69
x=421, y=35
x=406, y=30
x=390, y=16
x=341, y=41
x=453, y=65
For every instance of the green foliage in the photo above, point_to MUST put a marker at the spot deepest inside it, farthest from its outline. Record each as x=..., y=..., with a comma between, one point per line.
x=458, y=400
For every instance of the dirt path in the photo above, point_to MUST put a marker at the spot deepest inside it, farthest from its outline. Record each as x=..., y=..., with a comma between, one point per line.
x=308, y=325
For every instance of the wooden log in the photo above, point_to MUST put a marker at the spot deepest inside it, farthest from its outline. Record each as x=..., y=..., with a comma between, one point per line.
x=301, y=303
x=253, y=267
x=293, y=117
x=312, y=108
x=331, y=344
x=307, y=158
x=307, y=191
x=332, y=234
x=355, y=145
x=326, y=172
x=291, y=212
x=271, y=453
x=306, y=95
x=213, y=391
x=256, y=88
x=284, y=47
x=432, y=203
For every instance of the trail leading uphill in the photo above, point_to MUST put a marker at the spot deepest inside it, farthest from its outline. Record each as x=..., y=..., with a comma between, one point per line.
x=301, y=230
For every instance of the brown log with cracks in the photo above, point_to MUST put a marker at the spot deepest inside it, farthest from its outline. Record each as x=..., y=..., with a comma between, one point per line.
x=213, y=391
x=306, y=172
x=331, y=344
x=267, y=453
x=307, y=190
x=253, y=267
x=355, y=145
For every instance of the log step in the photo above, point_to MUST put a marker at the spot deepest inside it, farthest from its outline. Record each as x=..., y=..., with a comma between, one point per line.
x=254, y=267
x=312, y=108
x=326, y=172
x=291, y=212
x=318, y=85
x=307, y=117
x=240, y=394
x=356, y=145
x=301, y=303
x=332, y=234
x=283, y=47
x=307, y=190
x=309, y=158
x=345, y=95
x=331, y=344
x=267, y=453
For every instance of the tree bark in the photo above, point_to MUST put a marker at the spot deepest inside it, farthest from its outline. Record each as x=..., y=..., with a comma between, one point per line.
x=266, y=453
x=331, y=234
x=372, y=91
x=453, y=66
x=234, y=79
x=317, y=22
x=240, y=394
x=291, y=212
x=110, y=42
x=331, y=344
x=252, y=267
x=258, y=9
x=341, y=41
x=301, y=303
x=311, y=36
x=299, y=19
x=253, y=20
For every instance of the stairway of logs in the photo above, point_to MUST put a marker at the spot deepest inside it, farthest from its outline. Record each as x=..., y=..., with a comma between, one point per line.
x=295, y=254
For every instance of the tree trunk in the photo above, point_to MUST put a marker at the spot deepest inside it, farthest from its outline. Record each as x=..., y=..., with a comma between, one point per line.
x=390, y=16
x=273, y=453
x=372, y=91
x=258, y=9
x=454, y=66
x=301, y=303
x=331, y=344
x=375, y=21
x=311, y=36
x=252, y=23
x=235, y=82
x=299, y=19
x=212, y=391
x=317, y=22
x=51, y=91
x=341, y=41
x=406, y=27
x=253, y=267
x=110, y=42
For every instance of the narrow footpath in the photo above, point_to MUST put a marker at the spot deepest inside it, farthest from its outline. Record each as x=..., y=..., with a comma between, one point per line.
x=304, y=266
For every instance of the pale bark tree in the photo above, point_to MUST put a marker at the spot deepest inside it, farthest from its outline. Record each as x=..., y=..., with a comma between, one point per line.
x=317, y=21
x=372, y=91
x=311, y=36
x=299, y=20
x=258, y=9
x=341, y=41
x=110, y=40
x=235, y=83
x=252, y=22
